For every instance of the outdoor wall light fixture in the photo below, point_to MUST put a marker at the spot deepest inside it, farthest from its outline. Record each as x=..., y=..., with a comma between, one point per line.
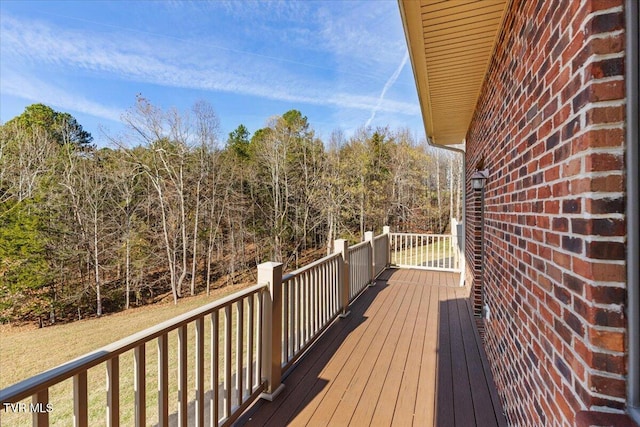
x=478, y=178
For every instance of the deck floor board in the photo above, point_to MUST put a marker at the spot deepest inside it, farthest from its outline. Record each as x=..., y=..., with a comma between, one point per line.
x=408, y=354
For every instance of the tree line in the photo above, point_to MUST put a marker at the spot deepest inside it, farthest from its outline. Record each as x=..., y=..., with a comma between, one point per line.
x=169, y=208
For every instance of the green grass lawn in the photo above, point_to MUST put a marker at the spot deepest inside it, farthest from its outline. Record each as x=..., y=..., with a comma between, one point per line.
x=27, y=351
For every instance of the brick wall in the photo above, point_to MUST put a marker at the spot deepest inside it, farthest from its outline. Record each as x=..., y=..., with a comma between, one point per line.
x=550, y=127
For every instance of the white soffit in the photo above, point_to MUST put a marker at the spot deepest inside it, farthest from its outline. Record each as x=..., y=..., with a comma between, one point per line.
x=450, y=44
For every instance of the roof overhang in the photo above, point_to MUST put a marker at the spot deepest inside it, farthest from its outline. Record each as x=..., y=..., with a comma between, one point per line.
x=450, y=44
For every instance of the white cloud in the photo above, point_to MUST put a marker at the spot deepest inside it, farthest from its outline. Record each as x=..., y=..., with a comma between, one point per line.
x=33, y=89
x=178, y=63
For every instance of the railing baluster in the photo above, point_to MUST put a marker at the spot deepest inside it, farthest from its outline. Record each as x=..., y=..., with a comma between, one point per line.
x=40, y=418
x=304, y=296
x=140, y=385
x=308, y=307
x=285, y=320
x=326, y=293
x=239, y=347
x=308, y=316
x=214, y=413
x=183, y=400
x=113, y=392
x=319, y=295
x=404, y=246
x=199, y=409
x=298, y=307
x=163, y=379
x=446, y=250
x=316, y=297
x=227, y=360
x=259, y=349
x=312, y=307
x=413, y=243
x=80, y=401
x=250, y=344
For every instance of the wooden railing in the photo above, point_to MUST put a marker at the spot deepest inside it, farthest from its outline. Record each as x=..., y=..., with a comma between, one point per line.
x=253, y=336
x=360, y=261
x=234, y=350
x=381, y=252
x=428, y=251
x=310, y=302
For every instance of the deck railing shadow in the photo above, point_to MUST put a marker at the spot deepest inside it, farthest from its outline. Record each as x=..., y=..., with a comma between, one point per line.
x=303, y=381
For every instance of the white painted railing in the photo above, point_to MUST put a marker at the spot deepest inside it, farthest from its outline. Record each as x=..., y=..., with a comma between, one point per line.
x=381, y=252
x=428, y=251
x=234, y=348
x=310, y=302
x=252, y=337
x=360, y=259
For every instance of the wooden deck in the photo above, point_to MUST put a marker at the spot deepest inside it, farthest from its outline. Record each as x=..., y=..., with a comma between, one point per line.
x=408, y=354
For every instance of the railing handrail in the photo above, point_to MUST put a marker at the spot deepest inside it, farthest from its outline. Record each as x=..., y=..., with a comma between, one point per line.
x=419, y=234
x=359, y=245
x=301, y=270
x=32, y=385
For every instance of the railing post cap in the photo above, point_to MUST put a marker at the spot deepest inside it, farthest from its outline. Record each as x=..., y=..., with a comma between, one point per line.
x=340, y=243
x=269, y=264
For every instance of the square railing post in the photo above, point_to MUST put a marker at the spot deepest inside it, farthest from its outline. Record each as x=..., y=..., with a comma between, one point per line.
x=368, y=237
x=342, y=247
x=386, y=230
x=270, y=273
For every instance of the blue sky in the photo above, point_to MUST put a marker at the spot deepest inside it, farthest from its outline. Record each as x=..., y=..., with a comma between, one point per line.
x=343, y=64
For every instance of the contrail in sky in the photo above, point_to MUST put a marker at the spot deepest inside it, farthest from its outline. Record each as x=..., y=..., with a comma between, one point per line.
x=386, y=87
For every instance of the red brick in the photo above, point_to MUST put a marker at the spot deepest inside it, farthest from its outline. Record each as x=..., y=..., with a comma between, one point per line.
x=598, y=226
x=605, y=250
x=573, y=167
x=605, y=23
x=608, y=184
x=605, y=115
x=606, y=68
x=598, y=138
x=609, y=272
x=607, y=340
x=552, y=206
x=607, y=362
x=552, y=173
x=605, y=45
x=606, y=294
x=575, y=284
x=600, y=162
x=615, y=387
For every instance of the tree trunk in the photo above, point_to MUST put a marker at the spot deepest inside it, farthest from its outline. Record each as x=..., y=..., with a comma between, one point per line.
x=195, y=241
x=96, y=264
x=127, y=268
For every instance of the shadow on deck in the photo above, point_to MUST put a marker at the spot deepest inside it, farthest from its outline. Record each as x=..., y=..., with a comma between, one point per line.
x=408, y=354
